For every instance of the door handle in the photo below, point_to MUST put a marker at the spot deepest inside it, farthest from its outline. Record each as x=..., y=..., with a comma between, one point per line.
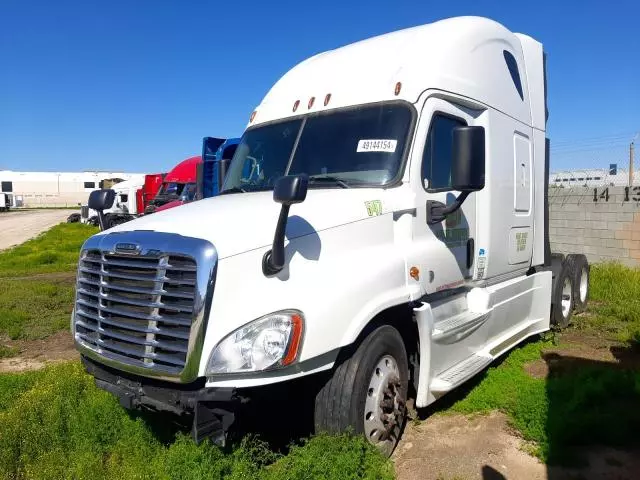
x=470, y=252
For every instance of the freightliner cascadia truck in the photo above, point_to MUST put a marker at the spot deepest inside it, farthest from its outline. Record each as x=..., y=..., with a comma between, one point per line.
x=389, y=239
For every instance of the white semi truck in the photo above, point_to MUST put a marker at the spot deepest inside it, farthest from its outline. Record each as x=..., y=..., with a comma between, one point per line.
x=125, y=206
x=409, y=173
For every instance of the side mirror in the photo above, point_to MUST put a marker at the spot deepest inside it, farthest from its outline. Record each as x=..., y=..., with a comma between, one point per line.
x=467, y=166
x=467, y=171
x=100, y=200
x=287, y=191
x=291, y=189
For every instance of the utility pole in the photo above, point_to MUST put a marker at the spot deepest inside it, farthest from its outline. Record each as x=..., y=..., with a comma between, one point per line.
x=631, y=155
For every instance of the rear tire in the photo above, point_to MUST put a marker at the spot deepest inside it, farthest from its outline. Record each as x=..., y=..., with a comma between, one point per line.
x=581, y=275
x=562, y=305
x=367, y=393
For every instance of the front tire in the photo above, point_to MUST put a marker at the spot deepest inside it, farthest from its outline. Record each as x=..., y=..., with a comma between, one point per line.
x=367, y=393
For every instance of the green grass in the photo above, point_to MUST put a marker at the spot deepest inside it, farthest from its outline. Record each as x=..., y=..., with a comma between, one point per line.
x=595, y=404
x=8, y=352
x=55, y=423
x=615, y=297
x=34, y=309
x=587, y=404
x=32, y=305
x=55, y=250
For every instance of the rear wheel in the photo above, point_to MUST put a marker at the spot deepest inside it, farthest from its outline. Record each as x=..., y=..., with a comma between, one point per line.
x=367, y=393
x=580, y=268
x=562, y=305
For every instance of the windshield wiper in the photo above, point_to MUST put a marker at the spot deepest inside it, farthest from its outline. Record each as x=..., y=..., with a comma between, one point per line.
x=233, y=190
x=325, y=178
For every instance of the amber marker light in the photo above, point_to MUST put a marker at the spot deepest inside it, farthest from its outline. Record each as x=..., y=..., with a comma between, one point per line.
x=253, y=115
x=398, y=88
x=311, y=100
x=415, y=273
x=327, y=98
x=296, y=340
x=295, y=105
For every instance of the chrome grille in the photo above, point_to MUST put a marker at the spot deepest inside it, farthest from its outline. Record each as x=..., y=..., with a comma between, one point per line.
x=136, y=310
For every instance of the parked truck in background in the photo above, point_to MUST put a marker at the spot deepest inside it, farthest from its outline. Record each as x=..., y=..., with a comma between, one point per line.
x=179, y=183
x=178, y=187
x=410, y=174
x=129, y=200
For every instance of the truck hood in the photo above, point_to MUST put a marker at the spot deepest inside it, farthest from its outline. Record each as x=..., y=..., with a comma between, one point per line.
x=236, y=223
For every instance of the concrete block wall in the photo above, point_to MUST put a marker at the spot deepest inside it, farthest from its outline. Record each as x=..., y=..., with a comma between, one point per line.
x=603, y=224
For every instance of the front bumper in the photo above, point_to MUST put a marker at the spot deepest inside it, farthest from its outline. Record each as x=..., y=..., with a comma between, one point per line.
x=212, y=410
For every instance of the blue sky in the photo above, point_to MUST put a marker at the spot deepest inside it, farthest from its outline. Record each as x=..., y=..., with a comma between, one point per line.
x=135, y=85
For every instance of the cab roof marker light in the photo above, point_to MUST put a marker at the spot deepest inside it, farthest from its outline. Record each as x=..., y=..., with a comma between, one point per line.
x=295, y=105
x=253, y=115
x=311, y=100
x=398, y=88
x=327, y=98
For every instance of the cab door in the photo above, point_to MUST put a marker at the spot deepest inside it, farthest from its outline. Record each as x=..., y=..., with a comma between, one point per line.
x=445, y=251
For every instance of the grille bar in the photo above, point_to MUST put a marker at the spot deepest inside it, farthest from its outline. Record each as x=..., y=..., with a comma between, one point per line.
x=165, y=345
x=138, y=303
x=139, y=264
x=134, y=328
x=147, y=291
x=131, y=352
x=138, y=310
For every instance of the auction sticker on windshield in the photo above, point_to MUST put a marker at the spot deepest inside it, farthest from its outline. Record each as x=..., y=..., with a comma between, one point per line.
x=379, y=145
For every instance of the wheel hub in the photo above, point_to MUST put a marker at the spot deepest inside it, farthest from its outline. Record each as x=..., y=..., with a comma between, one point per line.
x=584, y=284
x=384, y=405
x=567, y=295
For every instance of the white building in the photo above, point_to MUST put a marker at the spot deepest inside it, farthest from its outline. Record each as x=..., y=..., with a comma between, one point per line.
x=592, y=177
x=56, y=189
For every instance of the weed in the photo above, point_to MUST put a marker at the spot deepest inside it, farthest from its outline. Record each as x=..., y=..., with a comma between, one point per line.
x=55, y=250
x=580, y=408
x=587, y=405
x=615, y=290
x=55, y=423
x=33, y=309
x=6, y=351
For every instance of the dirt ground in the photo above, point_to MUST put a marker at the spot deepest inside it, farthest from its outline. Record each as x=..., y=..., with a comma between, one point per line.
x=18, y=226
x=35, y=354
x=448, y=447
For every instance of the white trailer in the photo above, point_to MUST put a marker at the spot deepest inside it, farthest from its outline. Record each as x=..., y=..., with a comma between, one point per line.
x=409, y=173
x=6, y=202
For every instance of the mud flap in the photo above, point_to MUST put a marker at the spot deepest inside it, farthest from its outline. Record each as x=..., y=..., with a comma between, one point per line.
x=211, y=422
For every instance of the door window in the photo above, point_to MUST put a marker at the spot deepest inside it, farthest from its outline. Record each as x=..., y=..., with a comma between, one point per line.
x=436, y=159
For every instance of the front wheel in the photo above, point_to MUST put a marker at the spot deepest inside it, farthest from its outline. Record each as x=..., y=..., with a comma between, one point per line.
x=367, y=393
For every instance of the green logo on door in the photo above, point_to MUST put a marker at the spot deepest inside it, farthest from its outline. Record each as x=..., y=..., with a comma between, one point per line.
x=374, y=207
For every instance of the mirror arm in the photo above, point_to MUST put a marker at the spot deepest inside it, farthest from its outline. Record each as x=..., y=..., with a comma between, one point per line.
x=101, y=220
x=438, y=211
x=273, y=260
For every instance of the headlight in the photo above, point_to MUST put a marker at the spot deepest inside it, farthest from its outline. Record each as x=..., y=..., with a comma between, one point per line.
x=268, y=342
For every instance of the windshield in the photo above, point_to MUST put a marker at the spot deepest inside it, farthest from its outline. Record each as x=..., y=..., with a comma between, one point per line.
x=361, y=146
x=188, y=193
x=171, y=189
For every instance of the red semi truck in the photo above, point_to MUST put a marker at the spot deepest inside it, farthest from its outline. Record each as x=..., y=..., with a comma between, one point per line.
x=178, y=186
